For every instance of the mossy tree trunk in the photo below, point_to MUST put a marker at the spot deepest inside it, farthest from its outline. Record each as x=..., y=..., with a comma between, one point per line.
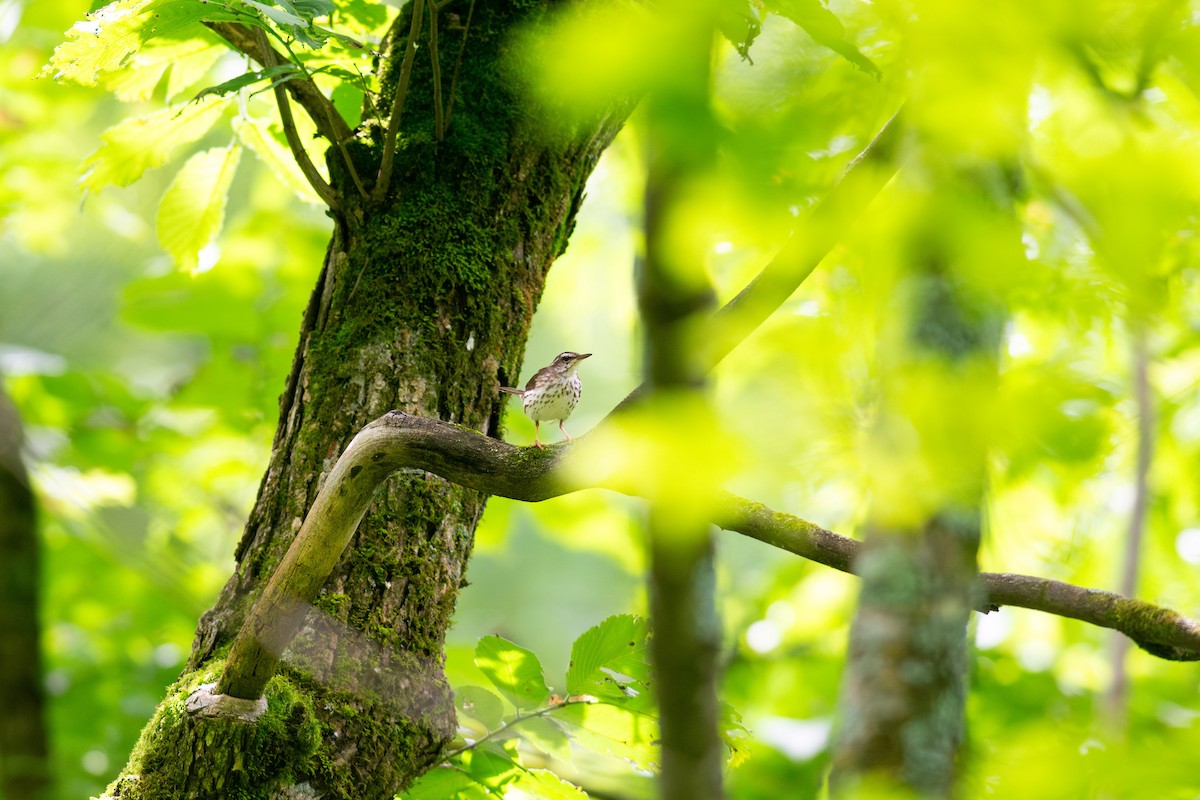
x=423, y=305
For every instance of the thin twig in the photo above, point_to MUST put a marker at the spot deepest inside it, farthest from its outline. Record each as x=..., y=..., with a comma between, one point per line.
x=389, y=142
x=362, y=190
x=541, y=712
x=1116, y=697
x=462, y=48
x=314, y=177
x=438, y=122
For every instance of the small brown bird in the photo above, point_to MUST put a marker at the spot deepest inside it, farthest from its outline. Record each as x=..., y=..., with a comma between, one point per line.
x=552, y=392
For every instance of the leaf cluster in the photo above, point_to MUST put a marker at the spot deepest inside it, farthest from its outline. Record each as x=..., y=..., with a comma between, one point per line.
x=607, y=709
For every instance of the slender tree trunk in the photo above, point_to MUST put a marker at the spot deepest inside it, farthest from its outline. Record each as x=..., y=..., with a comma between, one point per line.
x=24, y=769
x=903, y=696
x=423, y=305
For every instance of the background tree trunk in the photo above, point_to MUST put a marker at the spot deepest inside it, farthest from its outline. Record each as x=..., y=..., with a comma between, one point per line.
x=905, y=686
x=24, y=753
x=423, y=305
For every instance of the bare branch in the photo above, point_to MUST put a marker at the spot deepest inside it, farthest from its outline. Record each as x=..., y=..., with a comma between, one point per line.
x=397, y=441
x=435, y=64
x=384, y=180
x=311, y=173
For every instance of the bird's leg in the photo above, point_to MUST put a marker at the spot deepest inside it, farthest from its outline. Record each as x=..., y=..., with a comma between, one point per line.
x=564, y=430
x=536, y=426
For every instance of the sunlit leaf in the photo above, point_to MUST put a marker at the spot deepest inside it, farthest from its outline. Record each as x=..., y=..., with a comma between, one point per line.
x=256, y=134
x=193, y=207
x=109, y=36
x=515, y=671
x=249, y=79
x=825, y=28
x=542, y=783
x=624, y=734
x=131, y=147
x=441, y=783
x=479, y=703
x=611, y=661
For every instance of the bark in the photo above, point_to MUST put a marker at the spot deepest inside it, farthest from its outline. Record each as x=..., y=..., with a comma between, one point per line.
x=24, y=769
x=423, y=305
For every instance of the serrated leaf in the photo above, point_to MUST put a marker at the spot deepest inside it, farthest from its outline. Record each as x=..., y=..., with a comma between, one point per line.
x=734, y=734
x=193, y=208
x=442, y=783
x=515, y=671
x=279, y=16
x=618, y=732
x=187, y=60
x=825, y=28
x=611, y=661
x=542, y=784
x=105, y=41
x=480, y=704
x=256, y=135
x=315, y=8
x=249, y=79
x=133, y=146
x=98, y=44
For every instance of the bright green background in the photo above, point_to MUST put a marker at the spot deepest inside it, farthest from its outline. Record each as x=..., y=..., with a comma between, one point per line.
x=149, y=393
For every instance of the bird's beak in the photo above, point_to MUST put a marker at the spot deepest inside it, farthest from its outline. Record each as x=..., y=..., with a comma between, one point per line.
x=582, y=356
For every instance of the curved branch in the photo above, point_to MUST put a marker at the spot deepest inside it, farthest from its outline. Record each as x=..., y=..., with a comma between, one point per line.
x=397, y=441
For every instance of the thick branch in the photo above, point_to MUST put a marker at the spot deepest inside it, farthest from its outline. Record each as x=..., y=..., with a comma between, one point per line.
x=320, y=109
x=398, y=441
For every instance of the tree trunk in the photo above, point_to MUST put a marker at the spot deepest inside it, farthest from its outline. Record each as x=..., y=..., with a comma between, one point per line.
x=24, y=751
x=904, y=692
x=423, y=305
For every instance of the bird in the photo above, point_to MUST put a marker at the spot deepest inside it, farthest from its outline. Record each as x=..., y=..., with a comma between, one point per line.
x=552, y=392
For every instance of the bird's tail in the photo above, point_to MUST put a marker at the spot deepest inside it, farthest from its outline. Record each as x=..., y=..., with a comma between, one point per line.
x=510, y=390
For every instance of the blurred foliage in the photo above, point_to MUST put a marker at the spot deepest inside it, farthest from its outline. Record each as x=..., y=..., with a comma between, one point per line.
x=149, y=393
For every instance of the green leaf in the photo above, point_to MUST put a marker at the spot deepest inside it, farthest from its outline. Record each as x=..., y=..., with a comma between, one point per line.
x=734, y=734
x=545, y=734
x=610, y=730
x=544, y=784
x=99, y=44
x=489, y=765
x=480, y=704
x=131, y=147
x=740, y=24
x=611, y=661
x=279, y=16
x=108, y=37
x=442, y=783
x=193, y=207
x=825, y=28
x=186, y=60
x=256, y=134
x=248, y=79
x=515, y=671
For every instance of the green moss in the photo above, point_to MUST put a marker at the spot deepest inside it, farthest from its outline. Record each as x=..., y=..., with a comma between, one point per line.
x=334, y=604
